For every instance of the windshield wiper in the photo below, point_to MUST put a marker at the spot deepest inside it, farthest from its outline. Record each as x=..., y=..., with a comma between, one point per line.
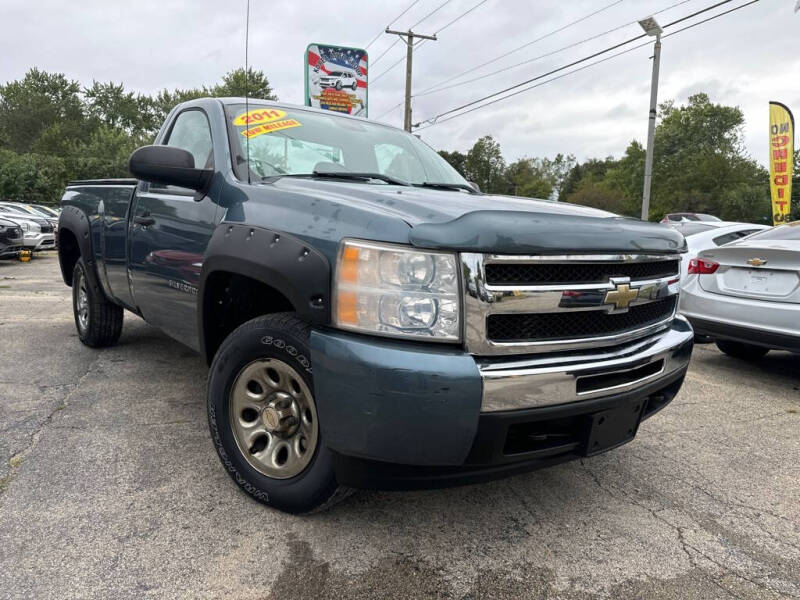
x=448, y=186
x=357, y=176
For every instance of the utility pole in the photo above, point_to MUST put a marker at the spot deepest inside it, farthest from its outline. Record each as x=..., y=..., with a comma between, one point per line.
x=408, y=38
x=651, y=28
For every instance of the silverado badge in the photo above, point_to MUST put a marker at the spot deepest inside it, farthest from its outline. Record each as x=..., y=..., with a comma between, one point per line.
x=621, y=296
x=756, y=262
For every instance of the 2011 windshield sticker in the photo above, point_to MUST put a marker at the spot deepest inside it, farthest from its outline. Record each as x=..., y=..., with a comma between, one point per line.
x=270, y=127
x=258, y=116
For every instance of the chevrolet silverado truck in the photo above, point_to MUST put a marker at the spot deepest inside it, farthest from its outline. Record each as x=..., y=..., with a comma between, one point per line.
x=372, y=320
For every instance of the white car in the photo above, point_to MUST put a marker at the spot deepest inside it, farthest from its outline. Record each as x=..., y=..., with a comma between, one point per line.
x=39, y=233
x=339, y=80
x=702, y=236
x=746, y=295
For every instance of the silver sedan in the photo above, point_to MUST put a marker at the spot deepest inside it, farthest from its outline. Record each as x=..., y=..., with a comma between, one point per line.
x=746, y=295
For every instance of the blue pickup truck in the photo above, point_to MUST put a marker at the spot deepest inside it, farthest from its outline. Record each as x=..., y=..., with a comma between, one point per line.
x=370, y=318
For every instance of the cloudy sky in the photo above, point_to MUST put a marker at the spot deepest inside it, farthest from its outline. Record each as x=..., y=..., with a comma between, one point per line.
x=745, y=58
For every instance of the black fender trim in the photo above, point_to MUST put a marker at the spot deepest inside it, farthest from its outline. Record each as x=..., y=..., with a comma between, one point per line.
x=74, y=220
x=277, y=259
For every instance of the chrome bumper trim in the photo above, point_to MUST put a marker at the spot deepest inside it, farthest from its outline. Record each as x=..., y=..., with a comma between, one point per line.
x=550, y=380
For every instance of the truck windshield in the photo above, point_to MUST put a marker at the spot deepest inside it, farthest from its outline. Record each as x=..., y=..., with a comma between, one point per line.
x=293, y=141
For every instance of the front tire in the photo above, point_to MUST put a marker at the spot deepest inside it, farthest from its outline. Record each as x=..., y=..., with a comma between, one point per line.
x=99, y=322
x=263, y=418
x=742, y=350
x=338, y=85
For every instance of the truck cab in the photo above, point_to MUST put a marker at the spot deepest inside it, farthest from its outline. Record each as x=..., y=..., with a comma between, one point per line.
x=370, y=320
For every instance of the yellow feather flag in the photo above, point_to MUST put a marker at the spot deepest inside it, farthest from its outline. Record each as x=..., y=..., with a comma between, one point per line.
x=781, y=159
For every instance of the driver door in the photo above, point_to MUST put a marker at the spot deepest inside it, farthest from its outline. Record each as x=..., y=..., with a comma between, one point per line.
x=169, y=235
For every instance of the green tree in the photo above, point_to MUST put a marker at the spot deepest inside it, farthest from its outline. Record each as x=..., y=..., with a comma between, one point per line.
x=31, y=177
x=699, y=165
x=233, y=84
x=111, y=105
x=485, y=165
x=52, y=130
x=698, y=157
x=526, y=177
x=457, y=160
x=37, y=102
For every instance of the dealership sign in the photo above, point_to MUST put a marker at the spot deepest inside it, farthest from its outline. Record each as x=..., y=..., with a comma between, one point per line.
x=781, y=159
x=336, y=78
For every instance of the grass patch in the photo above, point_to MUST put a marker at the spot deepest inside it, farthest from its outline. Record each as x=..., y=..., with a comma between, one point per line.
x=16, y=461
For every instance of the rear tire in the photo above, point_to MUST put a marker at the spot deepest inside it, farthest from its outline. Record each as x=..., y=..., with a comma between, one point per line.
x=99, y=322
x=263, y=419
x=742, y=350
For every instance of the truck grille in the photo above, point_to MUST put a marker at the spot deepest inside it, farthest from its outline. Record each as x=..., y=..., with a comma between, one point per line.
x=520, y=327
x=47, y=228
x=534, y=304
x=526, y=274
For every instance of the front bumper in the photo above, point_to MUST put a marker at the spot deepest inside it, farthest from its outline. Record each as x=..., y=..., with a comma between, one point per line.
x=39, y=241
x=386, y=406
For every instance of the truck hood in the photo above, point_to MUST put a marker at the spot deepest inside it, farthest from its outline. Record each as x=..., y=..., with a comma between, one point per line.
x=443, y=219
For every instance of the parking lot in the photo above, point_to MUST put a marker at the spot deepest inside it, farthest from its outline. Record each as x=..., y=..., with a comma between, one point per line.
x=109, y=487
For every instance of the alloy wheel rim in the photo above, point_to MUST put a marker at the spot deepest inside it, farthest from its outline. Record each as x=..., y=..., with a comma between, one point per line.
x=273, y=418
x=83, y=305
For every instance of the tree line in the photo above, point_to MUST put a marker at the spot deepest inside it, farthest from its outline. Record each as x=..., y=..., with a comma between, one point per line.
x=53, y=130
x=699, y=165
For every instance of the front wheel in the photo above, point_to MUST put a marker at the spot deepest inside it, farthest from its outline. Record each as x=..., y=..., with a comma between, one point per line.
x=263, y=417
x=99, y=322
x=338, y=85
x=742, y=350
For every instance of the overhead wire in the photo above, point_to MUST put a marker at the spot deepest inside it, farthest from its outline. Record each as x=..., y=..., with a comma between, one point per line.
x=438, y=86
x=545, y=36
x=576, y=62
x=437, y=120
x=437, y=32
x=392, y=22
x=530, y=43
x=397, y=41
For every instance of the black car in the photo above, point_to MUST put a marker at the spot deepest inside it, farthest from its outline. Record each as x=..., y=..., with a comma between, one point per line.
x=10, y=239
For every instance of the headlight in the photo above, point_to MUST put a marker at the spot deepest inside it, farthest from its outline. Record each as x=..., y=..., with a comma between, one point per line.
x=25, y=226
x=397, y=291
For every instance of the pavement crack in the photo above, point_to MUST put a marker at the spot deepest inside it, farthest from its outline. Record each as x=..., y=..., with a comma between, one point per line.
x=17, y=459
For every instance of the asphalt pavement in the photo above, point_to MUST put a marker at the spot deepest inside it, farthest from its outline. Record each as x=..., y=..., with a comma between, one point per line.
x=110, y=488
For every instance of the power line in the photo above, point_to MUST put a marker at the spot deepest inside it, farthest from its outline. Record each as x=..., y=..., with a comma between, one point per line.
x=433, y=12
x=525, y=45
x=572, y=64
x=458, y=18
x=436, y=87
x=431, y=90
x=437, y=120
x=397, y=41
x=392, y=22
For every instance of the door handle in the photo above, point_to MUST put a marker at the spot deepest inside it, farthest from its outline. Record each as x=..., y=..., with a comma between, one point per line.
x=145, y=221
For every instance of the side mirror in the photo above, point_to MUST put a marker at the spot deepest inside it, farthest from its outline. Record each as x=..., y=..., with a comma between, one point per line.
x=170, y=166
x=474, y=186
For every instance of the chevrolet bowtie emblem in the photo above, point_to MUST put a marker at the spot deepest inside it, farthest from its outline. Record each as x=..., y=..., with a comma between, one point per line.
x=622, y=296
x=756, y=262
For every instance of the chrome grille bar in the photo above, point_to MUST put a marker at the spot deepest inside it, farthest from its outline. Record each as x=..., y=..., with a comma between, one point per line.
x=615, y=295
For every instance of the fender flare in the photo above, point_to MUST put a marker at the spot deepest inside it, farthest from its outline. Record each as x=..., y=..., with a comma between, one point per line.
x=74, y=220
x=282, y=261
